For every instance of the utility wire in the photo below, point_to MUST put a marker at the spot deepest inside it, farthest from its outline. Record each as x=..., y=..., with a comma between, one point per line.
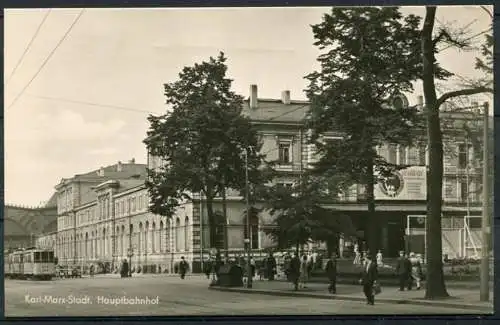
x=47, y=59
x=93, y=104
x=28, y=47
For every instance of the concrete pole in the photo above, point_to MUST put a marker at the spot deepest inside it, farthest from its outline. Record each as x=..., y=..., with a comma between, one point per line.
x=486, y=228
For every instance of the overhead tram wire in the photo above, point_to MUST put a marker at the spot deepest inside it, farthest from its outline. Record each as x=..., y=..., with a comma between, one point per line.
x=47, y=59
x=28, y=47
x=130, y=109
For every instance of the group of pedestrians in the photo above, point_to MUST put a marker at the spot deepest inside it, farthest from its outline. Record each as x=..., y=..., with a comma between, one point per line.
x=409, y=270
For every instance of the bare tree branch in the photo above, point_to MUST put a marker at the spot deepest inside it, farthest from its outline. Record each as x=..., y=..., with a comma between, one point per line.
x=462, y=92
x=487, y=11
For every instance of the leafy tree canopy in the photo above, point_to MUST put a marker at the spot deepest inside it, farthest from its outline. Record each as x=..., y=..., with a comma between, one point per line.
x=299, y=215
x=202, y=140
x=369, y=54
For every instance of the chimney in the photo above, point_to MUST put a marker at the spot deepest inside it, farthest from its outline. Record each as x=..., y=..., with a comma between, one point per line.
x=119, y=166
x=132, y=161
x=420, y=102
x=253, y=96
x=101, y=171
x=285, y=97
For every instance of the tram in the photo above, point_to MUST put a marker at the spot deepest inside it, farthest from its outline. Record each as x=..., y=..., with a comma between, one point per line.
x=30, y=263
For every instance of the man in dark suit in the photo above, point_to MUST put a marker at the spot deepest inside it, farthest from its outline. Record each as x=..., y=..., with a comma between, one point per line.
x=403, y=270
x=331, y=273
x=295, y=270
x=369, y=278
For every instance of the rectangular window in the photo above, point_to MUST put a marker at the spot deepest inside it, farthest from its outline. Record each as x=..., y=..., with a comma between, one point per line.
x=462, y=156
x=38, y=257
x=450, y=188
x=284, y=153
x=422, y=153
x=464, y=190
x=391, y=154
x=475, y=223
x=255, y=236
x=51, y=257
x=402, y=155
x=45, y=257
x=413, y=156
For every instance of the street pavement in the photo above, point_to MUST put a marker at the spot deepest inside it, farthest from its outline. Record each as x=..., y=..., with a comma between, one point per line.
x=171, y=296
x=466, y=299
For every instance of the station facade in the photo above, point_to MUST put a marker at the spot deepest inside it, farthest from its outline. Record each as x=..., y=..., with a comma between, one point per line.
x=103, y=215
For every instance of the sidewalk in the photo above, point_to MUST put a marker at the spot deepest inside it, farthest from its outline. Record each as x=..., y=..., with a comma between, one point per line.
x=142, y=275
x=460, y=298
x=393, y=283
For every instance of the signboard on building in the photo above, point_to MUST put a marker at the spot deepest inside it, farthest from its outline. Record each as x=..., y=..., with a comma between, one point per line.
x=405, y=184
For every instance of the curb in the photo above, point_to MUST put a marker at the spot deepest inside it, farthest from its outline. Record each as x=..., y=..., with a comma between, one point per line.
x=435, y=303
x=454, y=285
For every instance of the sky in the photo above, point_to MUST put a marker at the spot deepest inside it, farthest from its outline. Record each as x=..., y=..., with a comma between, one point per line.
x=88, y=105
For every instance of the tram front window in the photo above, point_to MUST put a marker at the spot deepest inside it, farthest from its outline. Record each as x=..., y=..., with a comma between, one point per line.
x=38, y=257
x=50, y=257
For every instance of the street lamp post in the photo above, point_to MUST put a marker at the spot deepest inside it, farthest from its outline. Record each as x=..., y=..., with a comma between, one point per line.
x=247, y=240
x=486, y=228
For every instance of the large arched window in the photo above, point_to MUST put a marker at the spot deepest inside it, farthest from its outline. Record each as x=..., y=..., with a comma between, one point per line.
x=153, y=237
x=103, y=241
x=130, y=243
x=87, y=248
x=139, y=239
x=177, y=235
x=118, y=248
x=254, y=228
x=219, y=230
x=122, y=244
x=160, y=238
x=92, y=244
x=146, y=238
x=186, y=234
x=168, y=235
x=254, y=231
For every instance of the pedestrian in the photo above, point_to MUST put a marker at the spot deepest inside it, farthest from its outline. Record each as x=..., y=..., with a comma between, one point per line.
x=310, y=265
x=183, y=267
x=294, y=271
x=304, y=272
x=369, y=278
x=124, y=269
x=379, y=258
x=270, y=267
x=253, y=266
x=357, y=255
x=207, y=267
x=416, y=271
x=286, y=265
x=91, y=271
x=331, y=273
x=403, y=269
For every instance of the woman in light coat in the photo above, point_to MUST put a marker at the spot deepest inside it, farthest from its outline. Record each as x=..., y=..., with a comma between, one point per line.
x=416, y=270
x=304, y=272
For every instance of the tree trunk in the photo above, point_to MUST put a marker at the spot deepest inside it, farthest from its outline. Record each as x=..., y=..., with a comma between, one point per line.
x=224, y=216
x=373, y=231
x=212, y=224
x=434, y=286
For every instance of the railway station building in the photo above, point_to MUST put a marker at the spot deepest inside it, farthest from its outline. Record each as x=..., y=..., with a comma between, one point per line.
x=103, y=215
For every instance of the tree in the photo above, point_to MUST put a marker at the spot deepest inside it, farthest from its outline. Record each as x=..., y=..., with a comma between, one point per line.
x=299, y=215
x=201, y=141
x=435, y=285
x=370, y=55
